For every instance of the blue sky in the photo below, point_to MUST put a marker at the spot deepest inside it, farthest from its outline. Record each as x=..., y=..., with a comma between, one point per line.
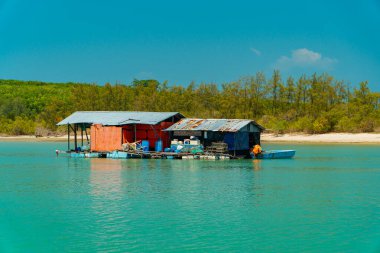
x=183, y=41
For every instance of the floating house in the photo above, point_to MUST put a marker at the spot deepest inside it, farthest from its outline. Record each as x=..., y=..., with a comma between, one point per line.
x=239, y=134
x=109, y=130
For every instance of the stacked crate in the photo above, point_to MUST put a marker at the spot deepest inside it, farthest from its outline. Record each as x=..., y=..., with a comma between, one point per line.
x=217, y=148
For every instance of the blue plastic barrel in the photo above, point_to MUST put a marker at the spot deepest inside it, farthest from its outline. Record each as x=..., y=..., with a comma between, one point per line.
x=145, y=145
x=158, y=146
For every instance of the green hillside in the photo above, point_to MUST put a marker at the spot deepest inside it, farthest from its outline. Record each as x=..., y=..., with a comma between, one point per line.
x=312, y=104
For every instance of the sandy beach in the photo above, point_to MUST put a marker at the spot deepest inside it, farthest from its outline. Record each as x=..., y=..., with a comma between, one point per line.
x=323, y=138
x=265, y=137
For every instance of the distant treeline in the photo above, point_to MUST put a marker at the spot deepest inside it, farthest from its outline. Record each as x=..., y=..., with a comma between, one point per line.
x=311, y=104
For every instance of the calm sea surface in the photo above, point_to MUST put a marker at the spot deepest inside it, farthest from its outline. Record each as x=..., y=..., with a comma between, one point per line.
x=327, y=199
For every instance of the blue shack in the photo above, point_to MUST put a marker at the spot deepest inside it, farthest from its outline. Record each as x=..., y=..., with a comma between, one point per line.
x=239, y=134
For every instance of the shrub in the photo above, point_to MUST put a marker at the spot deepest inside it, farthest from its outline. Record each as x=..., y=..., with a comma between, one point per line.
x=275, y=124
x=22, y=126
x=303, y=124
x=321, y=125
x=345, y=124
x=367, y=125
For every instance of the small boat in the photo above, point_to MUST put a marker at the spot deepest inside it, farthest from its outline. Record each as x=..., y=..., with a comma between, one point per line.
x=274, y=154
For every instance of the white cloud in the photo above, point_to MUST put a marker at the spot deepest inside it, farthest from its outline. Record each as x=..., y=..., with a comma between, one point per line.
x=255, y=51
x=305, y=58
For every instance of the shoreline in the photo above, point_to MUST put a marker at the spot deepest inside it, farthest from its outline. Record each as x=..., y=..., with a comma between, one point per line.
x=373, y=138
x=32, y=138
x=369, y=138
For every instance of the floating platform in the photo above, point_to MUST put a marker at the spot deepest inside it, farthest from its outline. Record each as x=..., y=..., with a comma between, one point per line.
x=271, y=154
x=144, y=155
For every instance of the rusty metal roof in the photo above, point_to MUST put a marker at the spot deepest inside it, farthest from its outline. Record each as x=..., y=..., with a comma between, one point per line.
x=221, y=125
x=118, y=118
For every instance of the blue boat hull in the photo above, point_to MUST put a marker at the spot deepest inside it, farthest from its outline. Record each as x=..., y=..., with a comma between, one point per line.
x=275, y=154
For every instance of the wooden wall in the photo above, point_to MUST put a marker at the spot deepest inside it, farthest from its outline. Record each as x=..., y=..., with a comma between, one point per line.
x=105, y=138
x=109, y=138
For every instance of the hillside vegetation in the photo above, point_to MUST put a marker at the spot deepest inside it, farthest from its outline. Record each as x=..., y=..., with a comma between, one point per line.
x=311, y=104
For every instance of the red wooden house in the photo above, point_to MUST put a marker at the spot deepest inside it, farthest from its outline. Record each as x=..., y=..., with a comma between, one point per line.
x=109, y=130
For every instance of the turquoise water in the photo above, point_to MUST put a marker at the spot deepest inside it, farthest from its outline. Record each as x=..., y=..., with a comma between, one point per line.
x=327, y=199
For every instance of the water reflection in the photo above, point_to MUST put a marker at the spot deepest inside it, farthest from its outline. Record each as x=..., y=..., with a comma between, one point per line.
x=108, y=203
x=105, y=177
x=256, y=164
x=106, y=164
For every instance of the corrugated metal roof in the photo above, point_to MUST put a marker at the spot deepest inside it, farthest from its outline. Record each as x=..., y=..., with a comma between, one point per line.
x=222, y=125
x=117, y=118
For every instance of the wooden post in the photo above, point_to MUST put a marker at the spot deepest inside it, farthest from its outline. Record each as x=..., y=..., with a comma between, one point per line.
x=122, y=136
x=135, y=131
x=235, y=144
x=68, y=137
x=88, y=141
x=75, y=136
x=81, y=132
